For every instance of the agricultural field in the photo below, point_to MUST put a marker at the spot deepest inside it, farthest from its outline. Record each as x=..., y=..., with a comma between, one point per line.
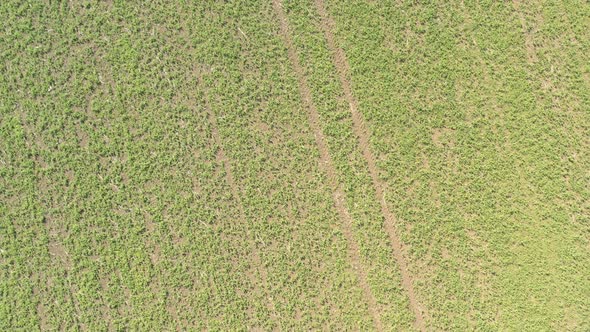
x=294, y=165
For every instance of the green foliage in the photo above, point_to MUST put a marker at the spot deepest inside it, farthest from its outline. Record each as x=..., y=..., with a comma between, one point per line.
x=481, y=149
x=117, y=211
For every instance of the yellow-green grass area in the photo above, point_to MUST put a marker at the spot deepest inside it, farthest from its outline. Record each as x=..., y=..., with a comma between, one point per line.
x=161, y=167
x=479, y=115
x=117, y=211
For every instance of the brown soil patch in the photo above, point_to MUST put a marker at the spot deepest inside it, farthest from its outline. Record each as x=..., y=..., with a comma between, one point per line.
x=82, y=137
x=42, y=314
x=436, y=135
x=443, y=137
x=57, y=251
x=425, y=162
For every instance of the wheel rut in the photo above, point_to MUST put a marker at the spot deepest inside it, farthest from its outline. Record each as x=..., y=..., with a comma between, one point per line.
x=361, y=131
x=328, y=166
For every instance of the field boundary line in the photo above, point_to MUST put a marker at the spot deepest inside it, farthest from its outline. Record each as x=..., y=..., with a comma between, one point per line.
x=361, y=131
x=256, y=260
x=326, y=162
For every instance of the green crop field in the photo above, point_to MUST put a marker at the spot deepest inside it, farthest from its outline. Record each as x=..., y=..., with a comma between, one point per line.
x=294, y=165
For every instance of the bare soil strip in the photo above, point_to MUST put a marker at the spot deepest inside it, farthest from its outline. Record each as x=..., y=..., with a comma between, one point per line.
x=326, y=162
x=360, y=130
x=256, y=261
x=528, y=36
